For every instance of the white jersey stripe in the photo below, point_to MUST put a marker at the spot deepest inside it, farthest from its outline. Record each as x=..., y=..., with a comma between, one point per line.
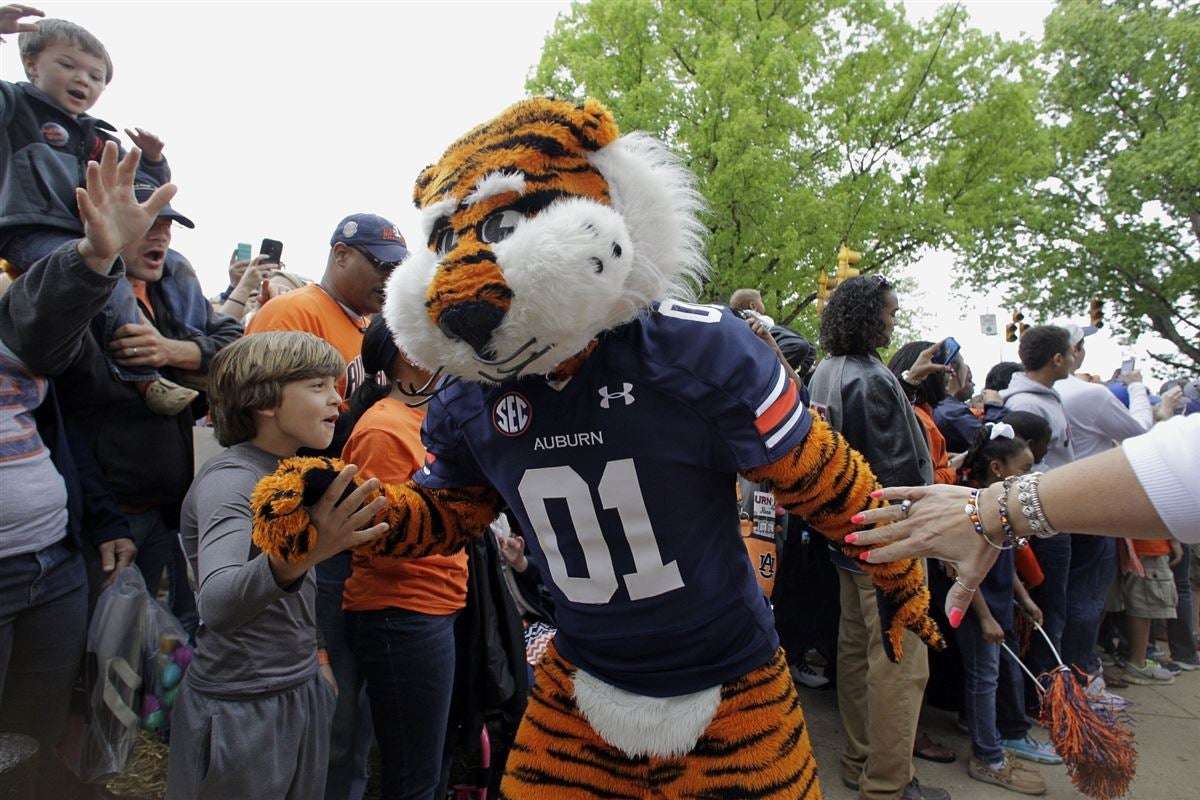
x=787, y=426
x=771, y=398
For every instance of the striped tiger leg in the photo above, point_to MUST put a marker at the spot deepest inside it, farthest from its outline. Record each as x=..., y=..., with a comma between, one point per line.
x=826, y=481
x=756, y=747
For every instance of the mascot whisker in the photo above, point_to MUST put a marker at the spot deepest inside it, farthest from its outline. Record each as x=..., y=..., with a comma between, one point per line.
x=581, y=390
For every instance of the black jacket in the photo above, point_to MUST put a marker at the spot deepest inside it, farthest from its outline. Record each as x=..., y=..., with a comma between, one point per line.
x=146, y=458
x=44, y=154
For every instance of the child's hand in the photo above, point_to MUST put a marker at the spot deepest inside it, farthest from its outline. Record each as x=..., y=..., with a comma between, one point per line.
x=992, y=632
x=10, y=18
x=1032, y=611
x=112, y=216
x=513, y=549
x=150, y=145
x=1176, y=553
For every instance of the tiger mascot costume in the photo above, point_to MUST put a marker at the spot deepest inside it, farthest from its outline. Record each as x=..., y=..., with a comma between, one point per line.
x=574, y=386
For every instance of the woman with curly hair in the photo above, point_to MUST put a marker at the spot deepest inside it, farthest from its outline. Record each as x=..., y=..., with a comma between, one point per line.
x=858, y=395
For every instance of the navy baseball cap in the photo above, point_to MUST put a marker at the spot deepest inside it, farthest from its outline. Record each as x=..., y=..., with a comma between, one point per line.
x=379, y=237
x=144, y=186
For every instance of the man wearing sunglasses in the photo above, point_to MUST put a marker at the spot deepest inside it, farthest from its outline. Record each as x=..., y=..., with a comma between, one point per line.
x=363, y=251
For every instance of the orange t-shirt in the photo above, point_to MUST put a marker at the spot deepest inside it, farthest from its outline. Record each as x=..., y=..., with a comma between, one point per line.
x=311, y=309
x=942, y=471
x=1151, y=547
x=386, y=444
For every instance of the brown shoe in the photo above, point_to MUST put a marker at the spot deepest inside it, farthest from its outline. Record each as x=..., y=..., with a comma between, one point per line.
x=1010, y=775
x=167, y=399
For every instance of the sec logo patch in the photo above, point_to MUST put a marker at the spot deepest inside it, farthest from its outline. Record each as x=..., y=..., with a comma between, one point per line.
x=511, y=414
x=55, y=135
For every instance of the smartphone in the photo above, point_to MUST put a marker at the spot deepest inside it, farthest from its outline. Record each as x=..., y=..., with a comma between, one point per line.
x=949, y=350
x=1129, y=364
x=243, y=251
x=272, y=249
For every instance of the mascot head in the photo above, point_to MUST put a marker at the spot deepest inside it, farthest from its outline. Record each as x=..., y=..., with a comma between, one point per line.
x=541, y=229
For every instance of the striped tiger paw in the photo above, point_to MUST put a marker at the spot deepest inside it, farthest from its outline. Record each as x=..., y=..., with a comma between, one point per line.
x=279, y=505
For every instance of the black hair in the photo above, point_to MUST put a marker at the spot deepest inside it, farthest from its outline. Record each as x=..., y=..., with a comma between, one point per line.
x=853, y=320
x=1000, y=376
x=984, y=449
x=1041, y=343
x=1029, y=426
x=379, y=352
x=933, y=389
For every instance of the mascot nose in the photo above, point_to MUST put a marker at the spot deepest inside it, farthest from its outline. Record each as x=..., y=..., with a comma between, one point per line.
x=473, y=322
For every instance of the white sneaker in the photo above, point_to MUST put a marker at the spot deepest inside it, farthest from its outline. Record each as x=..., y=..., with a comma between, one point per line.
x=810, y=677
x=1149, y=674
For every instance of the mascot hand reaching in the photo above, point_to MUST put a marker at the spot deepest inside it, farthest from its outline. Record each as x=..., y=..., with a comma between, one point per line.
x=576, y=386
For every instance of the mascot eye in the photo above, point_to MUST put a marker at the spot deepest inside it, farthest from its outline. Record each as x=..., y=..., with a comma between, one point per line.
x=499, y=226
x=446, y=241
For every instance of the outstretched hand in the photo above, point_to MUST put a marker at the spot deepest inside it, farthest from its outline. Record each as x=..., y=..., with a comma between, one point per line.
x=342, y=522
x=150, y=145
x=935, y=526
x=112, y=216
x=10, y=18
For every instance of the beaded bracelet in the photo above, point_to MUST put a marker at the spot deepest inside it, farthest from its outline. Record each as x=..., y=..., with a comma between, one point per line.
x=972, y=510
x=1010, y=536
x=1031, y=506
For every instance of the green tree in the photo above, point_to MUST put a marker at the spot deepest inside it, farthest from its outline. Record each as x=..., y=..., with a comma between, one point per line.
x=1117, y=215
x=809, y=123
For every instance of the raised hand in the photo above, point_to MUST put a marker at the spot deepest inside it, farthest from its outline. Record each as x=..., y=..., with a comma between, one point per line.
x=10, y=18
x=150, y=145
x=112, y=217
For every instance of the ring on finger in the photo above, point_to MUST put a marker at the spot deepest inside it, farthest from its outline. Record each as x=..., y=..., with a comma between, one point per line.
x=905, y=506
x=964, y=586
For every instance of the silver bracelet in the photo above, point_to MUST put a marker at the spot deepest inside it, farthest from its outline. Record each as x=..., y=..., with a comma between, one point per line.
x=1031, y=506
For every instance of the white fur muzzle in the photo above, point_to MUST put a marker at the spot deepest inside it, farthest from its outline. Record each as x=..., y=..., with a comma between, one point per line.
x=666, y=727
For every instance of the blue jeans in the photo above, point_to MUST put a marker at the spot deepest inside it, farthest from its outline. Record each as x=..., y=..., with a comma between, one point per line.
x=157, y=546
x=1054, y=557
x=981, y=669
x=1093, y=567
x=350, y=736
x=1011, y=721
x=43, y=629
x=1180, y=635
x=407, y=659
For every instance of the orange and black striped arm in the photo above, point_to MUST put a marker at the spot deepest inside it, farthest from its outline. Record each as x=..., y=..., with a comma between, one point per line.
x=421, y=521
x=826, y=481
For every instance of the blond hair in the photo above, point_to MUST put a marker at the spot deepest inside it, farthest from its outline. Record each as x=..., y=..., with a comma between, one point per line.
x=53, y=31
x=249, y=375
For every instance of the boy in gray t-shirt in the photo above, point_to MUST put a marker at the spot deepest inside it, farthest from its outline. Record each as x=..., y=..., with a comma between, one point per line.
x=253, y=716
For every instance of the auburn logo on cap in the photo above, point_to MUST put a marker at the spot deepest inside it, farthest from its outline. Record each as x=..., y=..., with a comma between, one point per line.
x=392, y=233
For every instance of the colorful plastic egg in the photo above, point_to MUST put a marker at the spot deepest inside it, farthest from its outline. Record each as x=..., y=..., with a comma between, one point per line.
x=170, y=675
x=168, y=698
x=182, y=656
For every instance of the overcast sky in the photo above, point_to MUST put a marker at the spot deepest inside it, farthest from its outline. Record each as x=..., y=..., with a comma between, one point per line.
x=281, y=118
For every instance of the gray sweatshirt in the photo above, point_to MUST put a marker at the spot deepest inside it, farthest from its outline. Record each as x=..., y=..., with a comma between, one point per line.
x=254, y=637
x=1024, y=394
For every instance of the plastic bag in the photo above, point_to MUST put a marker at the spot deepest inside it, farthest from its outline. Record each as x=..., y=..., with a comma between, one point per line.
x=166, y=659
x=113, y=679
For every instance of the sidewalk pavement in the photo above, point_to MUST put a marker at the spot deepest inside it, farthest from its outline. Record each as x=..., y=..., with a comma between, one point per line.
x=1166, y=725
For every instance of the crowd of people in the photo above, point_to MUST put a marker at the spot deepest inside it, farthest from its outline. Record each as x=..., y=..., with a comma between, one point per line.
x=113, y=359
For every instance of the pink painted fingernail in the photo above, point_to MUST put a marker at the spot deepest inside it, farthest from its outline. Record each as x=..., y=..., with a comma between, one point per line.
x=878, y=493
x=858, y=519
x=865, y=555
x=851, y=538
x=955, y=616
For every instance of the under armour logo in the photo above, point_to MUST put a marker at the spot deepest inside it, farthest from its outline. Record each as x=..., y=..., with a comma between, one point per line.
x=625, y=394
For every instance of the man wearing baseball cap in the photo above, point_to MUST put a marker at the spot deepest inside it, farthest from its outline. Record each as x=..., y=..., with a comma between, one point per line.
x=363, y=251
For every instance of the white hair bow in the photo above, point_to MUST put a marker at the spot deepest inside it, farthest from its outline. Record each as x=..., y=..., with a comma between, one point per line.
x=1001, y=429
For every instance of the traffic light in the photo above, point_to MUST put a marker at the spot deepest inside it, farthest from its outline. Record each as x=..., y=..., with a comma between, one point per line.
x=1012, y=329
x=825, y=287
x=846, y=259
x=1096, y=312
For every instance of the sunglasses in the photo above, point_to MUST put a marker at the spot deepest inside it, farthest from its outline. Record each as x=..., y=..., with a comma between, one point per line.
x=382, y=267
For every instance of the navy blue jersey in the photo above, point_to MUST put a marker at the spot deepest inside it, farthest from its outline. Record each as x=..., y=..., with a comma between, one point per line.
x=623, y=480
